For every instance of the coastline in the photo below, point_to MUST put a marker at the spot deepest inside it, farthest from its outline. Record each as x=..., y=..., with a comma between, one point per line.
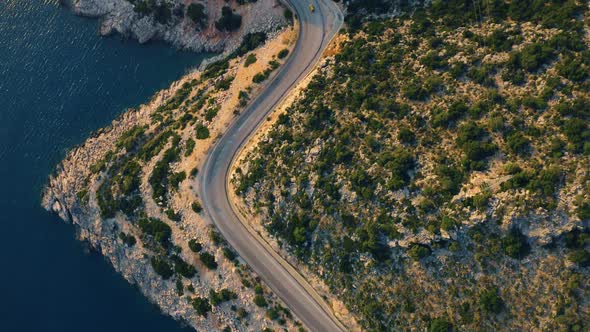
x=74, y=176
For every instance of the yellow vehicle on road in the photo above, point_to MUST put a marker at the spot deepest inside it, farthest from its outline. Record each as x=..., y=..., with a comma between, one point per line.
x=312, y=8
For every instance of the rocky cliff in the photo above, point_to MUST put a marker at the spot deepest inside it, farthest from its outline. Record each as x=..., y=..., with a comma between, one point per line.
x=185, y=24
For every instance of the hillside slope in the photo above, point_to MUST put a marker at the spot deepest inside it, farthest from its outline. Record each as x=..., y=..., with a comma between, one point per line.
x=435, y=172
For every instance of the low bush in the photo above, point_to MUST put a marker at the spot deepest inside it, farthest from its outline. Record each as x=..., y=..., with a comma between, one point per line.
x=250, y=59
x=157, y=229
x=162, y=267
x=201, y=305
x=283, y=53
x=229, y=21
x=195, y=246
x=224, y=295
x=183, y=268
x=202, y=132
x=208, y=260
x=260, y=301
x=515, y=244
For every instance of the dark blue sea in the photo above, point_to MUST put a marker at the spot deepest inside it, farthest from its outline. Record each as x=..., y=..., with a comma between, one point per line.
x=59, y=81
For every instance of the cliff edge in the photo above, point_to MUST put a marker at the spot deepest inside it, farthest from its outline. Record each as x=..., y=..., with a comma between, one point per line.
x=208, y=26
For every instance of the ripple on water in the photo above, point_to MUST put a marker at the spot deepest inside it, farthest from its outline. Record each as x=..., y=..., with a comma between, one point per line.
x=58, y=82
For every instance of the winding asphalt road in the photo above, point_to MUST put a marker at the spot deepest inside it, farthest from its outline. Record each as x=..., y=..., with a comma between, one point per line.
x=316, y=29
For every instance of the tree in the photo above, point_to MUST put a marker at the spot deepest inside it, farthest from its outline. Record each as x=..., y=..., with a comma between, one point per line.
x=196, y=207
x=517, y=142
x=195, y=246
x=283, y=53
x=196, y=12
x=162, y=267
x=417, y=252
x=156, y=228
x=515, y=244
x=222, y=296
x=202, y=131
x=208, y=260
x=260, y=301
x=183, y=268
x=228, y=20
x=201, y=305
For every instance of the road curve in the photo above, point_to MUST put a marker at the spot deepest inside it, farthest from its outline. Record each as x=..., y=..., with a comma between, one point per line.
x=316, y=29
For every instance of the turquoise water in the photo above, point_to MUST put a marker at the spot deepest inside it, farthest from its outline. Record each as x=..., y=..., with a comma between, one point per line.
x=58, y=82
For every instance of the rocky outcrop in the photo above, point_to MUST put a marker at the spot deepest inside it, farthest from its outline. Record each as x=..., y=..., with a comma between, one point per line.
x=123, y=17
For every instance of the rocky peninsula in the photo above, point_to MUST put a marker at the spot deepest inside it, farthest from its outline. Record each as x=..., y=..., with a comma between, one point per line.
x=128, y=189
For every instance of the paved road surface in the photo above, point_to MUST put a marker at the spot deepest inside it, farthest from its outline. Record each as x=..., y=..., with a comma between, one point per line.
x=316, y=30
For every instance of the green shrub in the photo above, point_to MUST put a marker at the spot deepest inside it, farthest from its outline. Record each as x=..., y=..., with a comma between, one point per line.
x=215, y=69
x=129, y=240
x=490, y=301
x=130, y=139
x=179, y=287
x=288, y=14
x=160, y=179
x=176, y=178
x=202, y=132
x=432, y=60
x=224, y=295
x=260, y=301
x=415, y=90
x=201, y=305
x=482, y=74
x=440, y=324
x=531, y=58
x=250, y=42
x=517, y=143
x=229, y=21
x=195, y=246
x=573, y=69
x=406, y=136
x=447, y=223
x=283, y=53
x=578, y=132
x=173, y=215
x=224, y=84
x=229, y=254
x=196, y=206
x=250, y=59
x=196, y=12
x=157, y=229
x=183, y=268
x=162, y=267
x=208, y=260
x=447, y=118
x=211, y=113
x=189, y=147
x=515, y=244
x=273, y=313
x=259, y=77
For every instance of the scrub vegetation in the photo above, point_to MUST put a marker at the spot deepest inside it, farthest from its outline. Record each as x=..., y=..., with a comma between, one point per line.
x=141, y=173
x=435, y=172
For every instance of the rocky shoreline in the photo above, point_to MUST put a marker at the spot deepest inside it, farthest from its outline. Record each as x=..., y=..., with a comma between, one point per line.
x=122, y=17
x=73, y=193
